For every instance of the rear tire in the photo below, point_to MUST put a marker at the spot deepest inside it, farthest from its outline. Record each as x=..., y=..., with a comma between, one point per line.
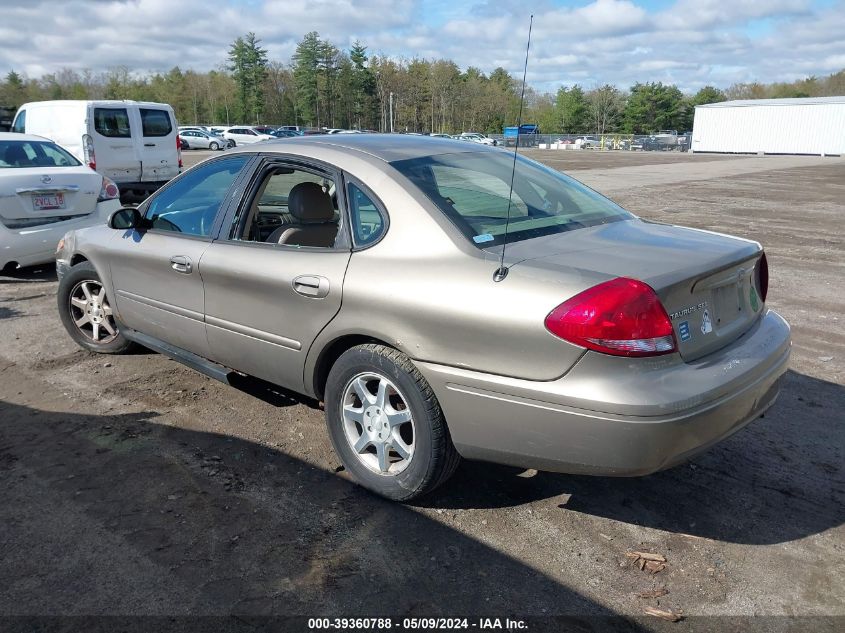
x=86, y=312
x=386, y=425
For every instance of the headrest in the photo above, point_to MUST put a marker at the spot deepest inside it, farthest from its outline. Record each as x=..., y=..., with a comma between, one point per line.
x=15, y=154
x=309, y=204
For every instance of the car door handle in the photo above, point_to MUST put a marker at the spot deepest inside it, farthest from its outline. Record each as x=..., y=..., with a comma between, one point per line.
x=311, y=286
x=181, y=264
x=149, y=144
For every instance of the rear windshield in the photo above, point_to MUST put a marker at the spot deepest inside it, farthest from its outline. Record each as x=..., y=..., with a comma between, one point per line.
x=34, y=154
x=155, y=122
x=112, y=122
x=473, y=190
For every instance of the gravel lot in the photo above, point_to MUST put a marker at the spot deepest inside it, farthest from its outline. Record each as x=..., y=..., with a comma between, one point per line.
x=133, y=485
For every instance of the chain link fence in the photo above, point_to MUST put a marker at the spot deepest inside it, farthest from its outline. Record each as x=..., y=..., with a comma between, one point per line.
x=661, y=142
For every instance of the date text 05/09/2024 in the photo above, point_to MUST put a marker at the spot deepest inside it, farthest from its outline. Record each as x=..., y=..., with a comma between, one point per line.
x=414, y=624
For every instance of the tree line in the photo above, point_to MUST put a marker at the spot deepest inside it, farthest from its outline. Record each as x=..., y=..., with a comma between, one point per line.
x=324, y=86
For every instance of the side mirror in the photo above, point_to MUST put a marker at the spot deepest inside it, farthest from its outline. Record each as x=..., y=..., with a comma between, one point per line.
x=126, y=218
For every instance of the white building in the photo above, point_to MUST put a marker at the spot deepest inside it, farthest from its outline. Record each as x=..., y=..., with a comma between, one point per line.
x=813, y=125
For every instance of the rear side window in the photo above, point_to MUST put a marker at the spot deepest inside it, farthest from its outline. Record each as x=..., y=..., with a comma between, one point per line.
x=112, y=122
x=367, y=220
x=155, y=122
x=20, y=122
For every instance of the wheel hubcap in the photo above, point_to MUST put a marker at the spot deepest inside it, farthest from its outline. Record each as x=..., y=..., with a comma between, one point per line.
x=91, y=312
x=378, y=424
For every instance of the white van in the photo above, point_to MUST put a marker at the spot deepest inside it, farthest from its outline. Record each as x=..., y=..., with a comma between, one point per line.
x=134, y=143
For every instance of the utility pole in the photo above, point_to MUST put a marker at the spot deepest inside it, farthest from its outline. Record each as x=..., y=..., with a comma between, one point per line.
x=391, y=113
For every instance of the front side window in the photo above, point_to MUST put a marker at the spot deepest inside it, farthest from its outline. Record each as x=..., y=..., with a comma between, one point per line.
x=155, y=122
x=20, y=122
x=474, y=191
x=112, y=122
x=367, y=221
x=34, y=154
x=292, y=206
x=189, y=205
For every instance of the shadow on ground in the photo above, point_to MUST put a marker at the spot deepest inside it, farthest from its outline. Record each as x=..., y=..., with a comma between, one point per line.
x=28, y=274
x=122, y=514
x=781, y=478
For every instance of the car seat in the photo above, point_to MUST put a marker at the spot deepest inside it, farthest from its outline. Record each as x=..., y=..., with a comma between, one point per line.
x=15, y=155
x=314, y=213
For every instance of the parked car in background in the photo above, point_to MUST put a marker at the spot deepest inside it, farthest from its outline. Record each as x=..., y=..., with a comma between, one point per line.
x=609, y=345
x=45, y=192
x=475, y=137
x=197, y=139
x=284, y=133
x=440, y=135
x=245, y=135
x=133, y=143
x=6, y=116
x=264, y=129
x=587, y=142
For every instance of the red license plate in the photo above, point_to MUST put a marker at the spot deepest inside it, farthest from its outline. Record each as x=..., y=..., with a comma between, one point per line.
x=46, y=203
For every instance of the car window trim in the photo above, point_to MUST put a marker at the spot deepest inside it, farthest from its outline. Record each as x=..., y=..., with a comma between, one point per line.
x=264, y=164
x=224, y=204
x=380, y=206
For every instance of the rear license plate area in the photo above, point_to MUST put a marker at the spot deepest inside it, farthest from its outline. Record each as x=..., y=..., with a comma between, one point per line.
x=48, y=202
x=727, y=306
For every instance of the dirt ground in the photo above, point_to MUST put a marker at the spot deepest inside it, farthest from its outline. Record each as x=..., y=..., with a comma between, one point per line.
x=133, y=485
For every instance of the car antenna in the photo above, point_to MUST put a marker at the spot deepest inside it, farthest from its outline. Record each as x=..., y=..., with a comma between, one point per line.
x=502, y=271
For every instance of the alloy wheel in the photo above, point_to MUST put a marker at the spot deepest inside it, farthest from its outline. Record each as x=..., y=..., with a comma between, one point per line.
x=91, y=312
x=378, y=424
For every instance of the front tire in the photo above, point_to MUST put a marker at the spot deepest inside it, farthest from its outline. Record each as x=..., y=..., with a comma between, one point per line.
x=86, y=312
x=386, y=425
x=213, y=146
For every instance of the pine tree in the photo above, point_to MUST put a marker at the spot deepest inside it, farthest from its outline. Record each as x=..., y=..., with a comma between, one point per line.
x=248, y=63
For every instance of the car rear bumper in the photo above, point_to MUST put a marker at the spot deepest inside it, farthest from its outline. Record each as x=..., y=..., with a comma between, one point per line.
x=615, y=416
x=37, y=244
x=139, y=190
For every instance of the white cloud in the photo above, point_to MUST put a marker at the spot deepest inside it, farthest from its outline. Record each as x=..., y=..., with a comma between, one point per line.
x=691, y=42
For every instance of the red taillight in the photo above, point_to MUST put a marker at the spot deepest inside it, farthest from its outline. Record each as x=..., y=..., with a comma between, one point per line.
x=623, y=317
x=179, y=150
x=109, y=190
x=763, y=276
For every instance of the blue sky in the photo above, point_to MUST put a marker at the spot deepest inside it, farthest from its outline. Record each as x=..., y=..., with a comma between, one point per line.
x=687, y=42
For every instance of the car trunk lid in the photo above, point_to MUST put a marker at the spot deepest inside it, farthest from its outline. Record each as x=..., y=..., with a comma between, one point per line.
x=706, y=281
x=29, y=195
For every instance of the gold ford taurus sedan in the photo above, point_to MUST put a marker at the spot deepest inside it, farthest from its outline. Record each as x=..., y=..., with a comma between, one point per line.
x=368, y=271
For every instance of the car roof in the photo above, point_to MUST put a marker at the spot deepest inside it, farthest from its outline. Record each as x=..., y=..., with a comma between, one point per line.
x=17, y=136
x=387, y=147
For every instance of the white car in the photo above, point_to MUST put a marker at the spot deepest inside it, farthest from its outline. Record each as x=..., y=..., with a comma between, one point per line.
x=475, y=137
x=197, y=139
x=44, y=193
x=245, y=135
